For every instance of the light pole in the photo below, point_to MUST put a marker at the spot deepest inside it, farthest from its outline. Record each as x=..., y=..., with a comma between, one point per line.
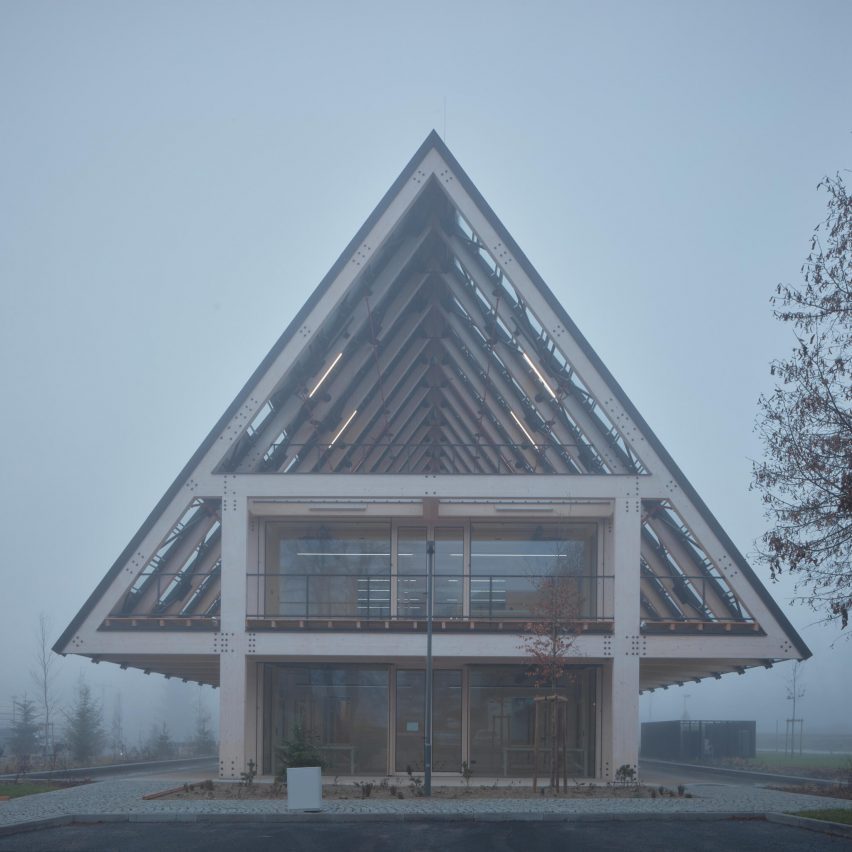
x=427, y=743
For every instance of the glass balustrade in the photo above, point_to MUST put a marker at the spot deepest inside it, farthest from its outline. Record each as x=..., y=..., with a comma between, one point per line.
x=367, y=570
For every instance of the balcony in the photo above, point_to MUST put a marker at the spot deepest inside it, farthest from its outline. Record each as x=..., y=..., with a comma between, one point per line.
x=461, y=603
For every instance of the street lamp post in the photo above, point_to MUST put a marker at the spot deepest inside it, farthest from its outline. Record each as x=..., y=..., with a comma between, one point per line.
x=427, y=743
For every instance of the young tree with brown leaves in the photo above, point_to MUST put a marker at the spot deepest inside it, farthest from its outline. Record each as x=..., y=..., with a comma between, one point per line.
x=548, y=641
x=805, y=477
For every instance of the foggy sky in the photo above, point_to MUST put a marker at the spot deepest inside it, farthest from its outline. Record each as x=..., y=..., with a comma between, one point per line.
x=176, y=179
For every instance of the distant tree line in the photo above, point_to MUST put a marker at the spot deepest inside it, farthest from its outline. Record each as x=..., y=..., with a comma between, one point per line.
x=44, y=734
x=85, y=739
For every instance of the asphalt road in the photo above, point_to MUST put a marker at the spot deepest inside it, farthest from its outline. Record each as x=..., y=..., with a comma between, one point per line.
x=742, y=835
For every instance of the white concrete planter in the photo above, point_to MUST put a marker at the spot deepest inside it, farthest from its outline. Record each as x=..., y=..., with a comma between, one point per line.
x=304, y=788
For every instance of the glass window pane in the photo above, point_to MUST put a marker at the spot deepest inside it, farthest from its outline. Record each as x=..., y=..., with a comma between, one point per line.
x=502, y=722
x=411, y=572
x=512, y=564
x=343, y=708
x=329, y=569
x=449, y=551
x=527, y=548
x=411, y=551
x=449, y=572
x=446, y=721
x=330, y=547
x=412, y=568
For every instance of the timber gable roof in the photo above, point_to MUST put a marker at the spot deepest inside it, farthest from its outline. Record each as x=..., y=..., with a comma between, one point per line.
x=433, y=357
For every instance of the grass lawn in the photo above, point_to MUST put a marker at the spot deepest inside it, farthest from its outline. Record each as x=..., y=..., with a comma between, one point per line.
x=26, y=788
x=777, y=759
x=843, y=815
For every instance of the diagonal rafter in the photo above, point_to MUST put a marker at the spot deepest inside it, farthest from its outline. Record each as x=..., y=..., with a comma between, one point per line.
x=432, y=291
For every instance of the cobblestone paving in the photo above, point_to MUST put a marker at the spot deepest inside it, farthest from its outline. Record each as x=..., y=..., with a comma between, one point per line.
x=125, y=797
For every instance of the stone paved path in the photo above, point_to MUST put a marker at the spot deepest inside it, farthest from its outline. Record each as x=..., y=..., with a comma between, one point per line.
x=125, y=797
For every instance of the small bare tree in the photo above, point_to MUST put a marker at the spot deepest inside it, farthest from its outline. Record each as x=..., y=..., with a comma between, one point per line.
x=116, y=731
x=203, y=740
x=549, y=640
x=44, y=674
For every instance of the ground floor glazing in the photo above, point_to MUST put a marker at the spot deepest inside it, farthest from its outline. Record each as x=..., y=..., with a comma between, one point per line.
x=370, y=719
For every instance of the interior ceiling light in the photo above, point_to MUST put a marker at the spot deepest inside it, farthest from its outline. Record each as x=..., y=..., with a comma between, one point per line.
x=325, y=374
x=343, y=427
x=538, y=374
x=521, y=425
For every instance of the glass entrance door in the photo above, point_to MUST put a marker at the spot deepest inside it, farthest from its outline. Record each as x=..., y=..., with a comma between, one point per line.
x=446, y=720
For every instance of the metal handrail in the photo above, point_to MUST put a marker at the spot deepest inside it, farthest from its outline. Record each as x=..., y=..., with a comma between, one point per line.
x=502, y=458
x=163, y=589
x=689, y=592
x=483, y=596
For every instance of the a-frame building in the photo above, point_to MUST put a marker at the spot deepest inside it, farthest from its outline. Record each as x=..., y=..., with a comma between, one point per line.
x=432, y=391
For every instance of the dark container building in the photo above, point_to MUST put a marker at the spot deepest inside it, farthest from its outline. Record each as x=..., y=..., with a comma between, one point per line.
x=698, y=741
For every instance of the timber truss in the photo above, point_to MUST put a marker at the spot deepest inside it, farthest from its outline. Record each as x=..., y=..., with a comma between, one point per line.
x=432, y=363
x=680, y=585
x=179, y=586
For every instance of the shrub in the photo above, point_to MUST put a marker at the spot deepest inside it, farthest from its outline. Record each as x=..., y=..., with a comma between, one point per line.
x=299, y=750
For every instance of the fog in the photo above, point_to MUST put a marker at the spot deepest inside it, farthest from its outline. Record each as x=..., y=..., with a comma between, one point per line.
x=177, y=178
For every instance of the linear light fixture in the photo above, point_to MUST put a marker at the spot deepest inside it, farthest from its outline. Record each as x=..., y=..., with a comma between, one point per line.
x=536, y=510
x=521, y=425
x=343, y=428
x=332, y=553
x=538, y=374
x=325, y=374
x=339, y=507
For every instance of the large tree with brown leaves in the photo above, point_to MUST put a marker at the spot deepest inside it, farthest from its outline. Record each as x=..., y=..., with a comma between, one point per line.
x=805, y=477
